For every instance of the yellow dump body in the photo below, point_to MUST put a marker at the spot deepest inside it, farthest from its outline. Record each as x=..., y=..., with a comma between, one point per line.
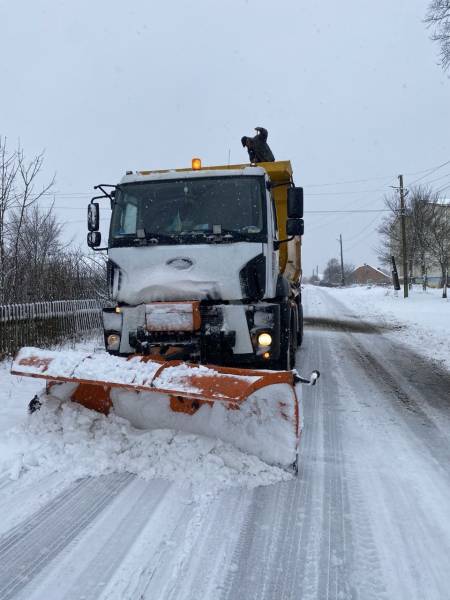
x=280, y=173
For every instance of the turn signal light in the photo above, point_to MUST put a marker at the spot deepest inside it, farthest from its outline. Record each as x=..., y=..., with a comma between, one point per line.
x=264, y=339
x=196, y=164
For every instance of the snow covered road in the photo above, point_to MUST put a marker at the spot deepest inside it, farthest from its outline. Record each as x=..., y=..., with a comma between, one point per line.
x=367, y=518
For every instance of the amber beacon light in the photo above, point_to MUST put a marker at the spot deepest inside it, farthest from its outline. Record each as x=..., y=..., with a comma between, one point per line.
x=196, y=164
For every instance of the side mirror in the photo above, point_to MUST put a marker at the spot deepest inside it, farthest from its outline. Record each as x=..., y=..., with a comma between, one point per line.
x=295, y=203
x=94, y=239
x=295, y=227
x=93, y=216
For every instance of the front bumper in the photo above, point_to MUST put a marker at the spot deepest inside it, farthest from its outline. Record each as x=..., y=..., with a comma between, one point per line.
x=227, y=333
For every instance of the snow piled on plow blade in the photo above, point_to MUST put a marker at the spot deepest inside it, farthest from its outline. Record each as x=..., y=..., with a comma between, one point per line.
x=256, y=411
x=258, y=426
x=76, y=442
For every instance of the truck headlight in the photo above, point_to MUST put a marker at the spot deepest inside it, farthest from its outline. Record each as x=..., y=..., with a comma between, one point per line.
x=264, y=339
x=113, y=341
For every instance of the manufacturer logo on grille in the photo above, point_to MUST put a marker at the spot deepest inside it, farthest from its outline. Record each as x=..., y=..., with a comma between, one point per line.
x=180, y=263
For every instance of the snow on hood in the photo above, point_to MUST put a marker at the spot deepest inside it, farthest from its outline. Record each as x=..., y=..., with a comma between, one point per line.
x=152, y=273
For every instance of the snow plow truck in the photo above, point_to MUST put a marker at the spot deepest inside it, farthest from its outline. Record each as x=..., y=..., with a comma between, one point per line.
x=204, y=271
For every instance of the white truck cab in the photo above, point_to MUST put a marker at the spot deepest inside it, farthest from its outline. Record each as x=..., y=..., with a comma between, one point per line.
x=199, y=267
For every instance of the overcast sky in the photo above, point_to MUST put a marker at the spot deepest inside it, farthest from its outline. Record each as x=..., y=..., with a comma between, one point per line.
x=348, y=90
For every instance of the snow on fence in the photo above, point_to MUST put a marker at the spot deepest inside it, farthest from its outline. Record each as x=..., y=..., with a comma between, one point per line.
x=47, y=323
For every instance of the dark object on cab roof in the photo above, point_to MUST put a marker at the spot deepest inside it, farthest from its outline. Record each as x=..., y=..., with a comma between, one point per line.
x=257, y=146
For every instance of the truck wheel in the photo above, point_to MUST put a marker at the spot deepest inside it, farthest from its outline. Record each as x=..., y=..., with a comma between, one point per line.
x=287, y=352
x=300, y=326
x=293, y=341
x=34, y=405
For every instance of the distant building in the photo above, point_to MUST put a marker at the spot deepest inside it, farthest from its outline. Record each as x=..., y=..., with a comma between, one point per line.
x=366, y=274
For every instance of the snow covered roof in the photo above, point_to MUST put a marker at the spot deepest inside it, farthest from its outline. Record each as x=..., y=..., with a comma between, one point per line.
x=373, y=269
x=140, y=176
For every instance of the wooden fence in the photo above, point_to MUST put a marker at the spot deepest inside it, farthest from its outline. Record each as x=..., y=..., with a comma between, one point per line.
x=47, y=323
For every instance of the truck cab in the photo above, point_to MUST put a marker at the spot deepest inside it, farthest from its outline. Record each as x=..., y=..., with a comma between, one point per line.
x=204, y=264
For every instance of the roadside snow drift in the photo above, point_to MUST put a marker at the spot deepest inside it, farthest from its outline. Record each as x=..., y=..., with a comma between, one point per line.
x=70, y=439
x=421, y=321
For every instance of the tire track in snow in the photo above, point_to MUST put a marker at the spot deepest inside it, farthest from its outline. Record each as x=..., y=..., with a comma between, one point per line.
x=298, y=539
x=23, y=497
x=28, y=547
x=184, y=550
x=399, y=473
x=280, y=526
x=86, y=565
x=410, y=398
x=414, y=515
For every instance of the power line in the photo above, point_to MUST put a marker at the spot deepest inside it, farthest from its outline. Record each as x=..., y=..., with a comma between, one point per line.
x=431, y=171
x=356, y=239
x=426, y=171
x=346, y=192
x=362, y=210
x=348, y=181
x=81, y=207
x=433, y=180
x=442, y=189
x=337, y=218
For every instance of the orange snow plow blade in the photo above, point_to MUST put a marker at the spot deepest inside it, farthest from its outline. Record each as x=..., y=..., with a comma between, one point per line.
x=256, y=410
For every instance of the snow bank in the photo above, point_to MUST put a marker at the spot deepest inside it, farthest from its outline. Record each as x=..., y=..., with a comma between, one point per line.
x=16, y=392
x=422, y=321
x=76, y=442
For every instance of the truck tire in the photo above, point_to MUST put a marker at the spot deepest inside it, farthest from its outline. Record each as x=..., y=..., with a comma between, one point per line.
x=294, y=340
x=287, y=352
x=300, y=326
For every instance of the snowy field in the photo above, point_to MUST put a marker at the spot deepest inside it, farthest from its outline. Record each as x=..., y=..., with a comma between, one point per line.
x=421, y=321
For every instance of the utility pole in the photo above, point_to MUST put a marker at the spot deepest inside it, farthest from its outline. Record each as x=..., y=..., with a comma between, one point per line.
x=403, y=231
x=342, y=262
x=444, y=288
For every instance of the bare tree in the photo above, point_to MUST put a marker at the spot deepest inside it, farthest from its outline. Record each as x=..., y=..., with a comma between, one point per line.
x=332, y=273
x=438, y=18
x=420, y=218
x=18, y=183
x=28, y=173
x=47, y=268
x=439, y=237
x=8, y=172
x=35, y=263
x=34, y=241
x=427, y=230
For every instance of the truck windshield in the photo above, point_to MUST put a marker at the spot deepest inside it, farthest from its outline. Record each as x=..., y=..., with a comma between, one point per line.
x=187, y=210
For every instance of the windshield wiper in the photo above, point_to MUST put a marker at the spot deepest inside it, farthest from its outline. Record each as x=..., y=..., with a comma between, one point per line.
x=145, y=238
x=225, y=236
